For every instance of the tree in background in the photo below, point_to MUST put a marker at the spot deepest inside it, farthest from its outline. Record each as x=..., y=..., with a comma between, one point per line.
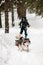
x=0, y=15
x=6, y=16
x=12, y=3
x=21, y=10
x=21, y=5
x=32, y=6
x=0, y=20
x=35, y=6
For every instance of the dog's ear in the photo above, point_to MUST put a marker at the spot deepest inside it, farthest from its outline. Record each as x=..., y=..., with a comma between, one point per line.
x=21, y=38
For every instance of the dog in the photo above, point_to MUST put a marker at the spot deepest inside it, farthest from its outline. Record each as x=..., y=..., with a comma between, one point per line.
x=22, y=43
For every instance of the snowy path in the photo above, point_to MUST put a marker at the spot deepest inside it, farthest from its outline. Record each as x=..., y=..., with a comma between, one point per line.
x=10, y=55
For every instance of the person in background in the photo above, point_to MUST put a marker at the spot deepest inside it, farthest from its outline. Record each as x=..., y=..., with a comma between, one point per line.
x=23, y=25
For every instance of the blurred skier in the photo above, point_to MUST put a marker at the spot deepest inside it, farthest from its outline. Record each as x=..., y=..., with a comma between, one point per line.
x=23, y=25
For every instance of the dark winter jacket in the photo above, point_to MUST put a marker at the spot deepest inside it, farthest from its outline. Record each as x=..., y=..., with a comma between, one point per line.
x=24, y=23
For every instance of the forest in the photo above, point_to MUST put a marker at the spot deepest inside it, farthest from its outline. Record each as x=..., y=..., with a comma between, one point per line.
x=21, y=5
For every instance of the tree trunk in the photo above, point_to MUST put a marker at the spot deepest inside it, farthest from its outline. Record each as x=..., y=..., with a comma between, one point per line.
x=6, y=19
x=12, y=10
x=12, y=16
x=0, y=20
x=21, y=10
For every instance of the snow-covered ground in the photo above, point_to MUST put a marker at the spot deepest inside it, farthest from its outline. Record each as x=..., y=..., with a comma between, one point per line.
x=9, y=53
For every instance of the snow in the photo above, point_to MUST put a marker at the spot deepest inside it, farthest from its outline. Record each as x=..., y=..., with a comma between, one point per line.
x=2, y=2
x=9, y=53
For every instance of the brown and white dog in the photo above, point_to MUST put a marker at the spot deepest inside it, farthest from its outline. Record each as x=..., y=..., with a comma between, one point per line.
x=22, y=43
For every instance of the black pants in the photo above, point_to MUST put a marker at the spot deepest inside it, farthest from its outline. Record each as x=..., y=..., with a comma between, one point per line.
x=25, y=30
